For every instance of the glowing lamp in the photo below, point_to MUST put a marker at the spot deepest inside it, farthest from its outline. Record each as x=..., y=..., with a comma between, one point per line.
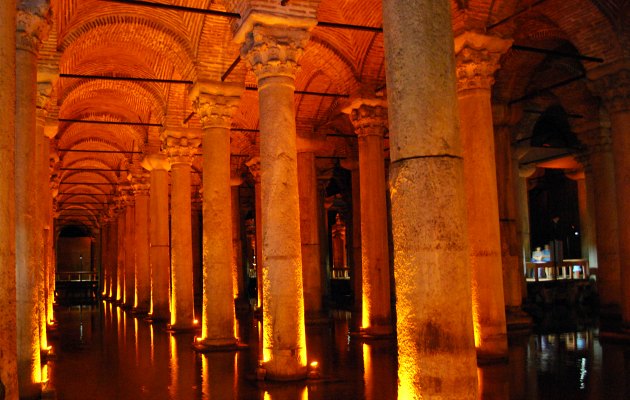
x=313, y=371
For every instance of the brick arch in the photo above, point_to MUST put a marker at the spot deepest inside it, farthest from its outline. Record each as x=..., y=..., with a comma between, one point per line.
x=135, y=32
x=141, y=99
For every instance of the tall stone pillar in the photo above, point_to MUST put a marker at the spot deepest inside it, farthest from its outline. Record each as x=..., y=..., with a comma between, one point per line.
x=121, y=222
x=615, y=91
x=40, y=214
x=159, y=255
x=477, y=59
x=272, y=52
x=436, y=350
x=522, y=207
x=181, y=147
x=32, y=26
x=238, y=272
x=254, y=169
x=130, y=248
x=513, y=277
x=215, y=103
x=51, y=190
x=356, y=271
x=587, y=226
x=105, y=274
x=112, y=255
x=8, y=340
x=369, y=117
x=140, y=184
x=599, y=144
x=309, y=229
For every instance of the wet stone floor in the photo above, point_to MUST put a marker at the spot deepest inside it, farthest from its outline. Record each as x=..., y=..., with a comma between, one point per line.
x=103, y=352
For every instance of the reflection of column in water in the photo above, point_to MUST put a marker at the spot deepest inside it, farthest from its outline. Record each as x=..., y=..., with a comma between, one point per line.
x=287, y=392
x=518, y=368
x=341, y=337
x=533, y=348
x=186, y=371
x=218, y=375
x=492, y=381
x=172, y=389
x=379, y=368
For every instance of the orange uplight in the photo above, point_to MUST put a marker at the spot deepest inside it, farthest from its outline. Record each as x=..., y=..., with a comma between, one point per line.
x=196, y=321
x=314, y=364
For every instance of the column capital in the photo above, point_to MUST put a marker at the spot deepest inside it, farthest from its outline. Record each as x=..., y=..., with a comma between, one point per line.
x=477, y=57
x=275, y=50
x=33, y=24
x=254, y=168
x=368, y=116
x=140, y=181
x=614, y=89
x=215, y=102
x=180, y=145
x=156, y=161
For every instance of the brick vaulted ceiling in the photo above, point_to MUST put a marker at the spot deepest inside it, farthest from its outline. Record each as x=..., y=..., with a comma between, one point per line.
x=98, y=37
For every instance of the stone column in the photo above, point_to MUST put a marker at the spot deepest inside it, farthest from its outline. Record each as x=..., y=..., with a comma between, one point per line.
x=8, y=340
x=355, y=267
x=605, y=211
x=522, y=207
x=51, y=190
x=181, y=147
x=587, y=226
x=436, y=351
x=309, y=229
x=615, y=91
x=129, y=248
x=112, y=255
x=140, y=184
x=238, y=273
x=121, y=222
x=477, y=59
x=159, y=256
x=32, y=26
x=254, y=169
x=272, y=52
x=510, y=249
x=40, y=214
x=215, y=103
x=105, y=275
x=369, y=117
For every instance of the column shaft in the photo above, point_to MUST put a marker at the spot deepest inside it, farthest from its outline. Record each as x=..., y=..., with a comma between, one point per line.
x=8, y=340
x=26, y=236
x=436, y=353
x=218, y=304
x=130, y=255
x=182, y=310
x=309, y=234
x=120, y=255
x=113, y=258
x=512, y=272
x=105, y=275
x=41, y=220
x=283, y=300
x=238, y=272
x=159, y=253
x=620, y=125
x=608, y=272
x=376, y=314
x=143, y=272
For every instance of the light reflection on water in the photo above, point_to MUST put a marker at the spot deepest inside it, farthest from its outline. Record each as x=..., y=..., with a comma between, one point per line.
x=106, y=353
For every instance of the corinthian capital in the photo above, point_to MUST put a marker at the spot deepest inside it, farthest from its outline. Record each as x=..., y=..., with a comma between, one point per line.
x=34, y=19
x=274, y=50
x=216, y=102
x=477, y=59
x=368, y=116
x=181, y=146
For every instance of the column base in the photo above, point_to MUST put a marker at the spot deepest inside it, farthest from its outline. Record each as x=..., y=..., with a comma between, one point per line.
x=518, y=321
x=181, y=328
x=126, y=306
x=31, y=391
x=267, y=374
x=618, y=336
x=138, y=311
x=376, y=333
x=217, y=345
x=156, y=319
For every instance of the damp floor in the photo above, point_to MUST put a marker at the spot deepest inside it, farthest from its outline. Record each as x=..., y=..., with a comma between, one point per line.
x=104, y=352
